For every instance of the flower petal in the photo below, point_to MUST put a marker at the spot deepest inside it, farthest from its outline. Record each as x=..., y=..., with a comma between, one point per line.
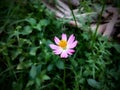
x=52, y=46
x=72, y=45
x=56, y=39
x=71, y=39
x=70, y=51
x=64, y=54
x=58, y=51
x=64, y=37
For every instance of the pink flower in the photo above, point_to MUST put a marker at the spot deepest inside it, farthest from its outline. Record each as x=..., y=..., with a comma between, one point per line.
x=64, y=47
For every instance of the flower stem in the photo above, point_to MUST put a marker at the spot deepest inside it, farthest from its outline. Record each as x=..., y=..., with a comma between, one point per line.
x=64, y=84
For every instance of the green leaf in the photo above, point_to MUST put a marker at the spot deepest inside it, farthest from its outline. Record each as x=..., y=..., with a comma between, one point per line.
x=44, y=22
x=38, y=81
x=93, y=83
x=33, y=51
x=82, y=81
x=32, y=21
x=85, y=36
x=24, y=41
x=45, y=77
x=60, y=64
x=38, y=27
x=50, y=67
x=41, y=24
x=15, y=33
x=74, y=63
x=16, y=53
x=27, y=30
x=30, y=83
x=39, y=68
x=19, y=66
x=117, y=47
x=33, y=72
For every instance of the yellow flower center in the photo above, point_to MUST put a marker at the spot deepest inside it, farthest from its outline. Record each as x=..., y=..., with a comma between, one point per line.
x=62, y=44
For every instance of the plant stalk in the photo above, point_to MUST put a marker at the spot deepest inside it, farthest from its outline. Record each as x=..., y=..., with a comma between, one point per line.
x=73, y=14
x=98, y=23
x=64, y=84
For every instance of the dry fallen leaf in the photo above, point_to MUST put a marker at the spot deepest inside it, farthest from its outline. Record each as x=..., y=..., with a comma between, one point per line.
x=61, y=8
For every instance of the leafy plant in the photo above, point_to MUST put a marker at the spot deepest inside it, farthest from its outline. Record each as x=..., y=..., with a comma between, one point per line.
x=28, y=63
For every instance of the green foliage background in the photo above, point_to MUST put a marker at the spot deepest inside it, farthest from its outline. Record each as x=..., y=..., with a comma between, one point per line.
x=27, y=62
